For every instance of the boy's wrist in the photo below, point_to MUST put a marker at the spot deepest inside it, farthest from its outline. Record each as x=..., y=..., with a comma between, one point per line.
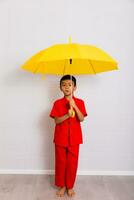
x=68, y=115
x=75, y=106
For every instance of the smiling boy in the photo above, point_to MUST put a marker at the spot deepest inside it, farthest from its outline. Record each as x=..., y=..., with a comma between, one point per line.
x=67, y=135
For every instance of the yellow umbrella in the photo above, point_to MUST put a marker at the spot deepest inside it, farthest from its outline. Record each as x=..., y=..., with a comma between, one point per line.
x=71, y=58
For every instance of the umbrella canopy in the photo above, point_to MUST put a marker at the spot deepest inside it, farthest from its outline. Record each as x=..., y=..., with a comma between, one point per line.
x=71, y=58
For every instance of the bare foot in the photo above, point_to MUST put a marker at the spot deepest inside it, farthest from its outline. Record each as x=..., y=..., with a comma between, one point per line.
x=61, y=192
x=70, y=192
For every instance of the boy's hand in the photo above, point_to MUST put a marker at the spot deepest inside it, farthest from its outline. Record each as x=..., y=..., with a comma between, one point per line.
x=72, y=103
x=70, y=112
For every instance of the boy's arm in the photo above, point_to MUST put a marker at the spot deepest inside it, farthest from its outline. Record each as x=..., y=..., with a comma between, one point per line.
x=59, y=120
x=79, y=113
x=77, y=110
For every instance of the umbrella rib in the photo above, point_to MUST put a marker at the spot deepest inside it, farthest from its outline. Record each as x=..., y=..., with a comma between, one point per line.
x=36, y=69
x=92, y=66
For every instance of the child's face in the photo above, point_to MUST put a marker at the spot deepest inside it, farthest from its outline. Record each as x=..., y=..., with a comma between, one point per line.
x=67, y=86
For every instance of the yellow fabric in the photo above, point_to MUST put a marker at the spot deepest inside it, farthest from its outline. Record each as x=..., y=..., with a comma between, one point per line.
x=86, y=59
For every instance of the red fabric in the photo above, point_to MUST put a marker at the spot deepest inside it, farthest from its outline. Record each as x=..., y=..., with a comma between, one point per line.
x=69, y=131
x=66, y=164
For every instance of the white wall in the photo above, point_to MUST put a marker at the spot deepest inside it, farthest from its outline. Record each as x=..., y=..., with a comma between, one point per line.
x=26, y=131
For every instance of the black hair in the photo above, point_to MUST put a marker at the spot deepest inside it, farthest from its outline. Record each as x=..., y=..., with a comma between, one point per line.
x=68, y=77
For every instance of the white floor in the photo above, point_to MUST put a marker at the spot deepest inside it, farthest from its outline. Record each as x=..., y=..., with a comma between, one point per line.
x=41, y=187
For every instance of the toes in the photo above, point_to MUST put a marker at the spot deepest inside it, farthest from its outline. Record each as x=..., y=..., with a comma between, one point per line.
x=71, y=193
x=60, y=193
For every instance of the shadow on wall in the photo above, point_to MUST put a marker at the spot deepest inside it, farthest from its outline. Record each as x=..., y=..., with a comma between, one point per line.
x=47, y=124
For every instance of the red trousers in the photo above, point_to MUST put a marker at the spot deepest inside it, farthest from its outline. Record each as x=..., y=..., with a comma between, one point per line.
x=66, y=163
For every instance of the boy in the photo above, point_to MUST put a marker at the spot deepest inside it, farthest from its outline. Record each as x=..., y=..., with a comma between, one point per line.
x=68, y=135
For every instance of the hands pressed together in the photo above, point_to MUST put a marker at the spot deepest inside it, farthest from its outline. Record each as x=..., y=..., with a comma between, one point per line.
x=71, y=111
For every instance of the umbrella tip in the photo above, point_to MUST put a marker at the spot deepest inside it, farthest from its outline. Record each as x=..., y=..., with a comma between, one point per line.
x=70, y=39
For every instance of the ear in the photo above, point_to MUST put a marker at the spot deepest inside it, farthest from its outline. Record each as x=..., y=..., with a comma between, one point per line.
x=75, y=88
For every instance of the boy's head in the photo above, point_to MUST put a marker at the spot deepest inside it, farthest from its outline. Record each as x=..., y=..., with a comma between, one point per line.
x=68, y=84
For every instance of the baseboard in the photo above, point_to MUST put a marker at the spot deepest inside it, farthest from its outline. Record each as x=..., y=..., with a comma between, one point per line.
x=79, y=172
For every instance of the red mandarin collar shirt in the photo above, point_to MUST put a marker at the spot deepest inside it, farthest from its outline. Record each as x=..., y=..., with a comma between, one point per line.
x=68, y=132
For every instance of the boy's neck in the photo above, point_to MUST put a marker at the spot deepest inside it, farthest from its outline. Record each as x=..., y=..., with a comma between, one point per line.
x=69, y=97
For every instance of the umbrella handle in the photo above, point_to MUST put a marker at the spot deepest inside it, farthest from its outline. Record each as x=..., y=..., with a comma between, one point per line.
x=72, y=111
